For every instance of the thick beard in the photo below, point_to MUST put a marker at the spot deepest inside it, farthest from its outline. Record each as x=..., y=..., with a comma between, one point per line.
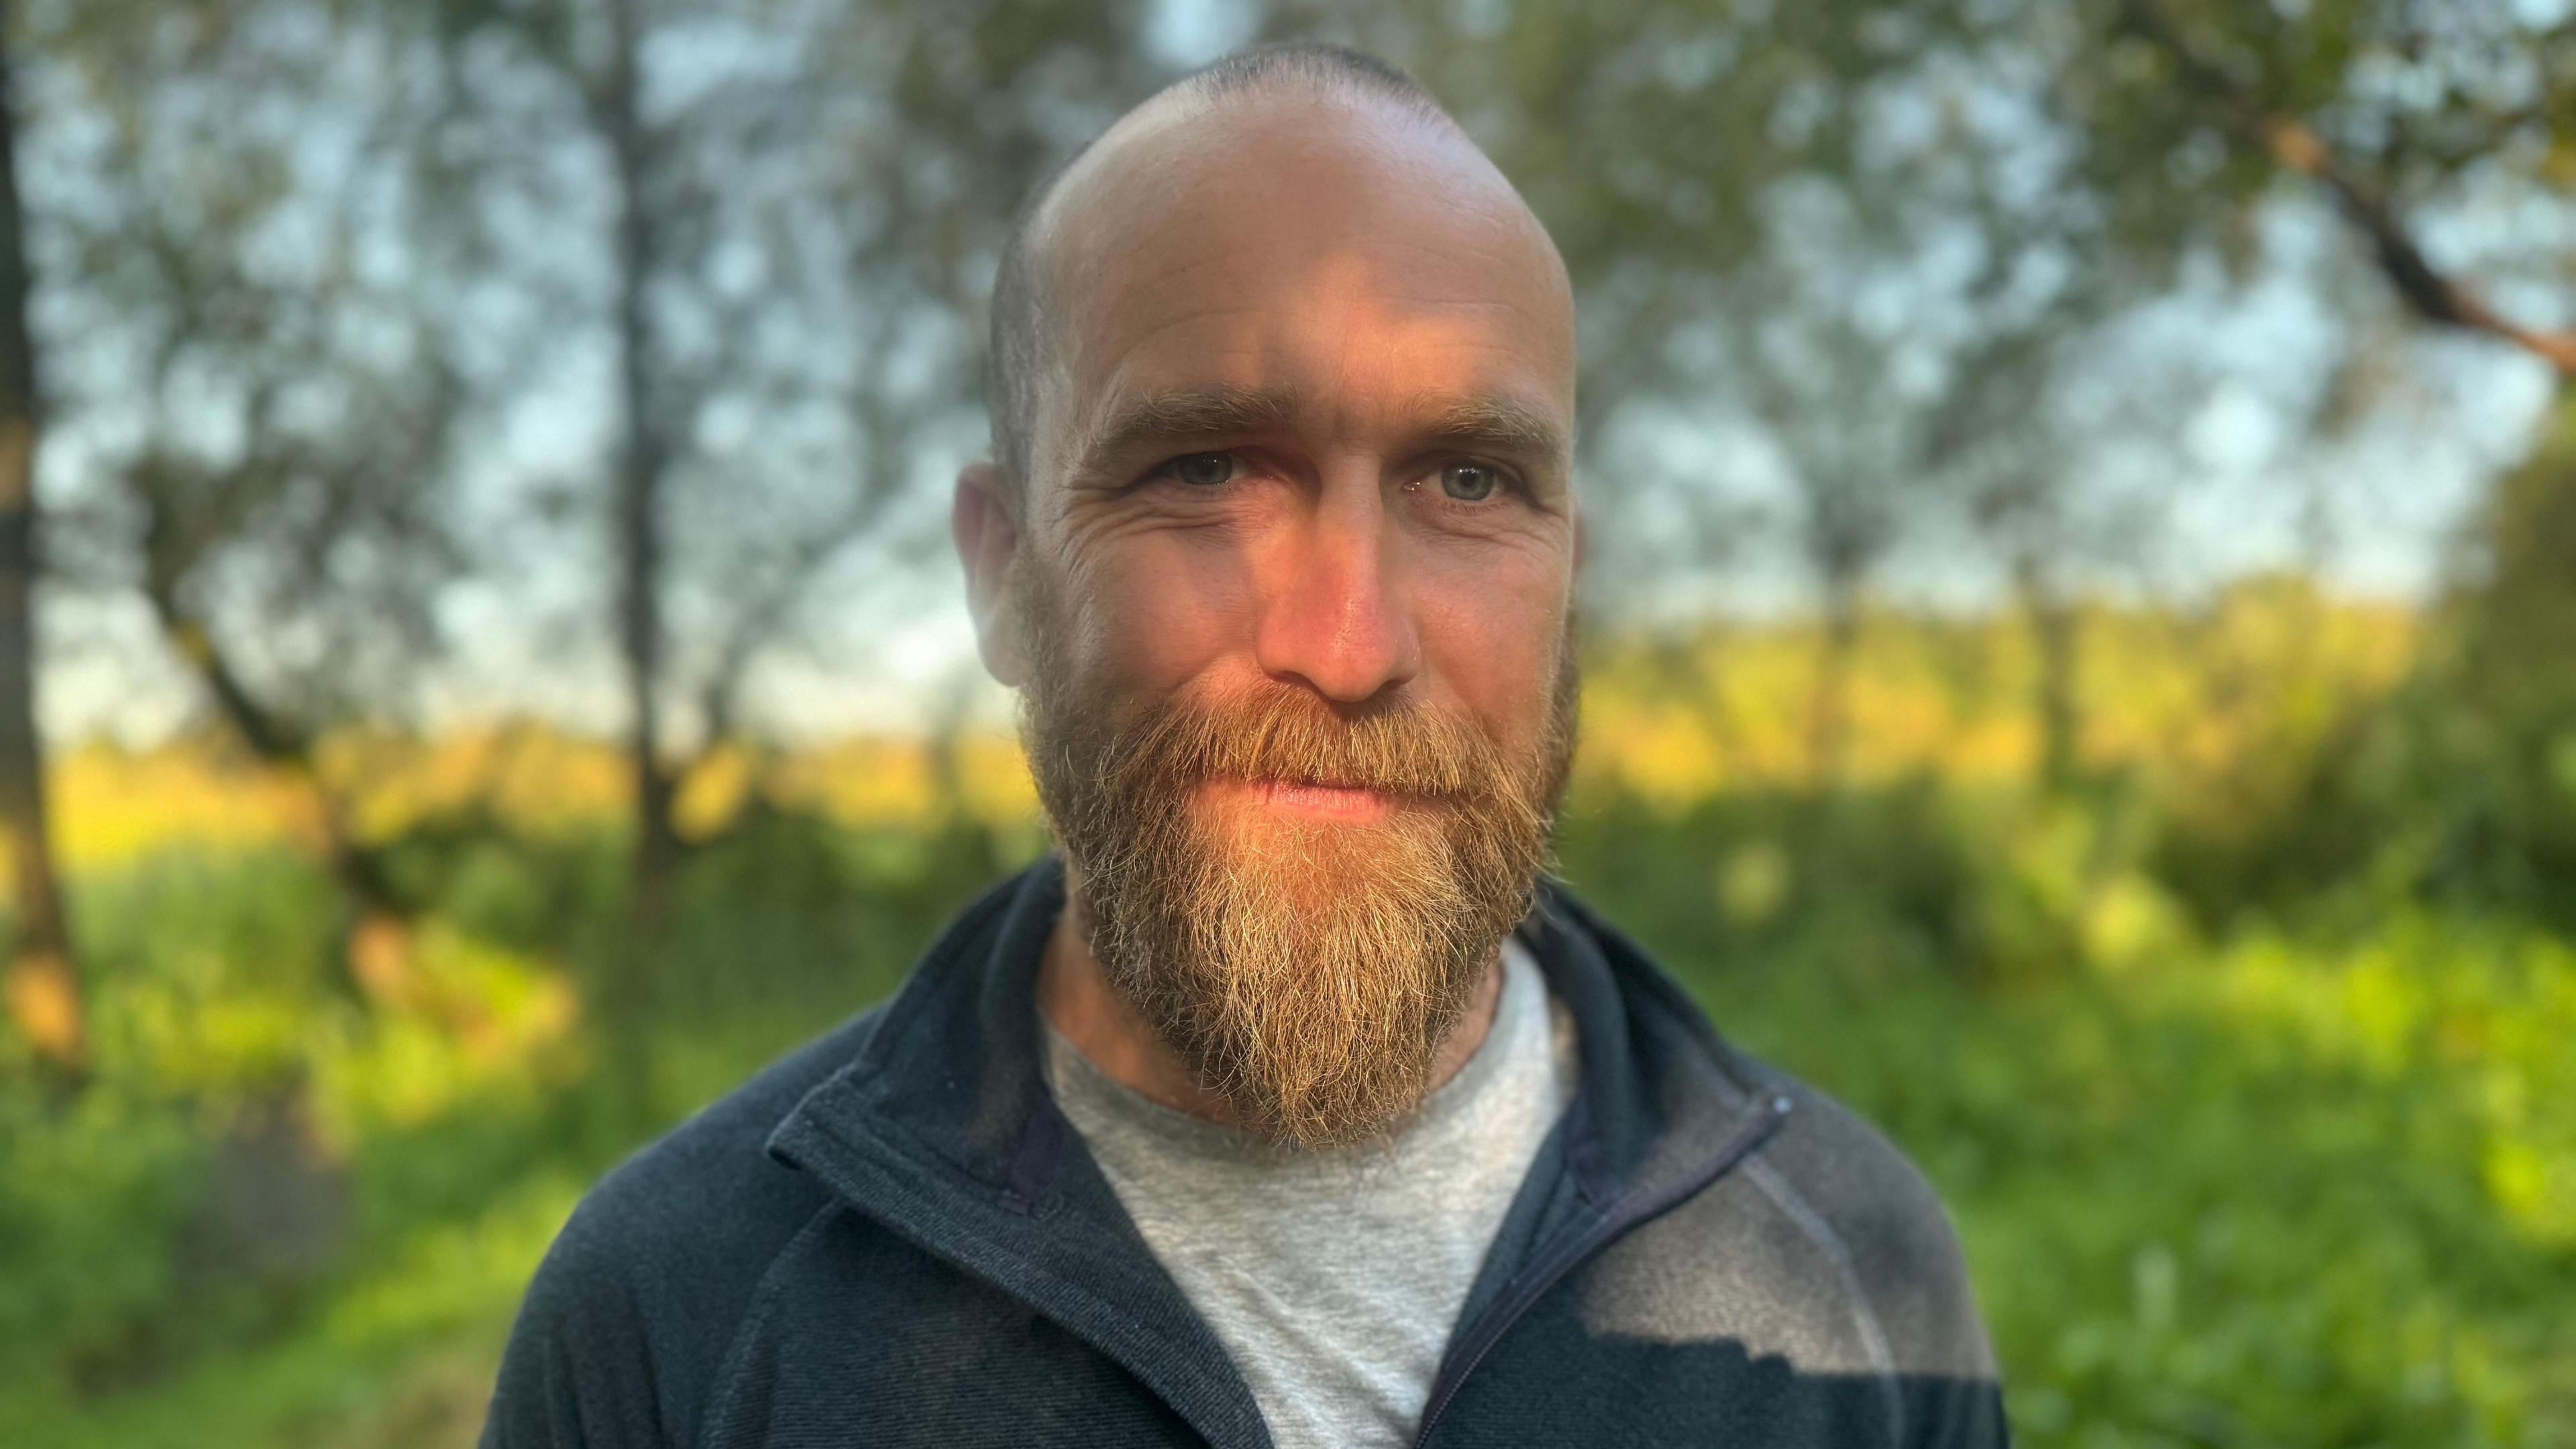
x=1305, y=972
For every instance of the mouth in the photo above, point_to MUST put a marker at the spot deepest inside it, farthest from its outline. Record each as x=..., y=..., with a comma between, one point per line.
x=1310, y=800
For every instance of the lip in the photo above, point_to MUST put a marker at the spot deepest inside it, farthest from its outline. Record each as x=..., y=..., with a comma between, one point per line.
x=1315, y=802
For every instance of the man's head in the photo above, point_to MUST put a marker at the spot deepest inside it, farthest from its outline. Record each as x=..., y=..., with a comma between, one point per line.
x=1280, y=547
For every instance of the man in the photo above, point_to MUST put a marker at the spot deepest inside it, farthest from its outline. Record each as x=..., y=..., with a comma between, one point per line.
x=1288, y=1105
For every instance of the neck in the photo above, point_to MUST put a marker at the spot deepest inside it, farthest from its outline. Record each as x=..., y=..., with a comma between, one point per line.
x=1087, y=1011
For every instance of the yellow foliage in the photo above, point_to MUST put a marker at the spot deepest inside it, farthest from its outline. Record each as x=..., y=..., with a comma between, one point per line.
x=2206, y=698
x=477, y=1016
x=2189, y=696
x=110, y=804
x=876, y=780
x=711, y=795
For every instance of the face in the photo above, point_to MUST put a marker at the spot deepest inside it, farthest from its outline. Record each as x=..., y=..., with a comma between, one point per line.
x=1288, y=586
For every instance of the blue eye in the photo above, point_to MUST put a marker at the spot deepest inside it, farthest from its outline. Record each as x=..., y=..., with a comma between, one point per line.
x=1468, y=482
x=1202, y=470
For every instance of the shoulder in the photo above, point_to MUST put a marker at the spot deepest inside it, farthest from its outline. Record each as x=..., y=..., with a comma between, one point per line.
x=1873, y=1210
x=1843, y=1185
x=1827, y=1210
x=631, y=1313
x=1871, y=1213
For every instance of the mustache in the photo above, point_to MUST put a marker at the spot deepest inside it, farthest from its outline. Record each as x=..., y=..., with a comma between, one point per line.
x=1283, y=734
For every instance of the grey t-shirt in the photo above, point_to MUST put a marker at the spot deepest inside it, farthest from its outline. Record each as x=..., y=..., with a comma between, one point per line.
x=1334, y=1278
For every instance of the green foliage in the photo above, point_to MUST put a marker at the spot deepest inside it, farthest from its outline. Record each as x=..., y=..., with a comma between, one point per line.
x=2460, y=787
x=90, y=1200
x=1983, y=887
x=2501, y=715
x=2303, y=1180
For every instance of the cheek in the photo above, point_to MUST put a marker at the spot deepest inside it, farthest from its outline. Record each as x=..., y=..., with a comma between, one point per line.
x=1153, y=612
x=1491, y=636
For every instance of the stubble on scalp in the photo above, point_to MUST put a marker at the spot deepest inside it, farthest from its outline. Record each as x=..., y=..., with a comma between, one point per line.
x=1306, y=972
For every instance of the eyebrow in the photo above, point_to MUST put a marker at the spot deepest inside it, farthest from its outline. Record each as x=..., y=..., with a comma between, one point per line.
x=1501, y=425
x=1192, y=412
x=1485, y=422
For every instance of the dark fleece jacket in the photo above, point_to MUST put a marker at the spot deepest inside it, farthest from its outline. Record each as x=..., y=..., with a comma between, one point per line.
x=892, y=1237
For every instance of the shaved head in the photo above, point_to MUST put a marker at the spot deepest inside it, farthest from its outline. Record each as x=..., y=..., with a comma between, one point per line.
x=1025, y=315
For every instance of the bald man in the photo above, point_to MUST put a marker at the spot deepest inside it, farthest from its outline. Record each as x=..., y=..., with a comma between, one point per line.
x=1287, y=1103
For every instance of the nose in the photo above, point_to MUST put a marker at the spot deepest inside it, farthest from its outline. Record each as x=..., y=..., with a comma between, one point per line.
x=1336, y=619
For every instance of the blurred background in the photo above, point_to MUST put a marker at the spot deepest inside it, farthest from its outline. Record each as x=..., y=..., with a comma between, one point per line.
x=2081, y=631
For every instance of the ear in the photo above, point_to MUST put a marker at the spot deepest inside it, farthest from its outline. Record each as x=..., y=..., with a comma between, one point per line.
x=987, y=534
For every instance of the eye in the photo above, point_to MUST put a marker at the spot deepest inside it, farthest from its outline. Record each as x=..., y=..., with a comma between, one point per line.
x=1202, y=470
x=1469, y=482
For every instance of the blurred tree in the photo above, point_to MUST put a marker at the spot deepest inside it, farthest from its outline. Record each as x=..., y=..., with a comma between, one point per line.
x=2010, y=442
x=258, y=379
x=644, y=458
x=2514, y=712
x=43, y=989
x=801, y=211
x=2395, y=108
x=1854, y=471
x=2402, y=115
x=2017, y=488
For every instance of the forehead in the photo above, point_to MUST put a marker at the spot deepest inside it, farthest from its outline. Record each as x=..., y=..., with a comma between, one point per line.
x=1347, y=253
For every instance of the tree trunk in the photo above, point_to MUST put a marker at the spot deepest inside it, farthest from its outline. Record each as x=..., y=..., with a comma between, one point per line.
x=642, y=462
x=43, y=990
x=628, y=984
x=1829, y=706
x=2053, y=628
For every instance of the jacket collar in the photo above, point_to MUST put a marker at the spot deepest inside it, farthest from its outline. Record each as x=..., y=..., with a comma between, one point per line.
x=1660, y=1088
x=941, y=1127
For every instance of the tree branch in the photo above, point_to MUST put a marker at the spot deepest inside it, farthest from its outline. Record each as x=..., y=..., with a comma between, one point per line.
x=2296, y=146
